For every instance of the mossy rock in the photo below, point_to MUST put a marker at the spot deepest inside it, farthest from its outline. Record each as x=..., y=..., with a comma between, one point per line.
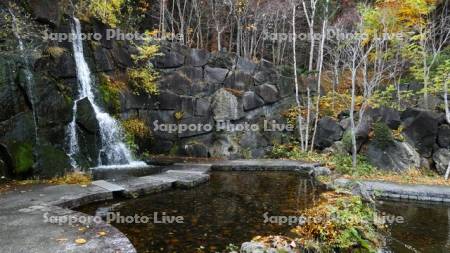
x=52, y=162
x=22, y=155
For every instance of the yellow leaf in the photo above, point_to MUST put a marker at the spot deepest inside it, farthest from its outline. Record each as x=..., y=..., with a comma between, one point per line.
x=80, y=241
x=101, y=233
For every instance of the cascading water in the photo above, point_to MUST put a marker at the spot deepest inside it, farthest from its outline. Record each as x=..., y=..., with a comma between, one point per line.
x=29, y=78
x=113, y=151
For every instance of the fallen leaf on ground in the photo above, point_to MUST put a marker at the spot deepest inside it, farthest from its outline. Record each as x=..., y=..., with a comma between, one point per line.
x=80, y=241
x=101, y=233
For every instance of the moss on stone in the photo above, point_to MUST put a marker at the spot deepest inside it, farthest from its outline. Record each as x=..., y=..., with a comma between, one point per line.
x=22, y=153
x=53, y=162
x=110, y=93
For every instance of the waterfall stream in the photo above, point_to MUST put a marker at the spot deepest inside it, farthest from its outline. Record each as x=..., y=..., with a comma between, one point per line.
x=113, y=150
x=29, y=78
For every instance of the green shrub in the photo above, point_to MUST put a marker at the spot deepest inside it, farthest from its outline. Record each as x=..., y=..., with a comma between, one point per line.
x=382, y=135
x=135, y=130
x=347, y=140
x=143, y=81
x=106, y=11
x=343, y=164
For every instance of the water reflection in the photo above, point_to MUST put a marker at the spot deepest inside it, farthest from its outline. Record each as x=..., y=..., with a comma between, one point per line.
x=426, y=227
x=228, y=209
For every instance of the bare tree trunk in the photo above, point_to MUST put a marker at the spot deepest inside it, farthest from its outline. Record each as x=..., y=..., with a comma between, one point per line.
x=447, y=114
x=320, y=69
x=297, y=98
x=352, y=118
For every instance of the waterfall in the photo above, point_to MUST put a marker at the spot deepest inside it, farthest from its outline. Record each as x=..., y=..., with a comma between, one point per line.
x=29, y=78
x=113, y=151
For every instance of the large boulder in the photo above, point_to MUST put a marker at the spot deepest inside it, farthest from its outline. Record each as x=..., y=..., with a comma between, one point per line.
x=12, y=99
x=176, y=82
x=46, y=11
x=132, y=102
x=51, y=162
x=17, y=136
x=268, y=92
x=252, y=101
x=444, y=136
x=121, y=53
x=226, y=106
x=389, y=116
x=286, y=86
x=53, y=106
x=245, y=65
x=397, y=156
x=202, y=107
x=169, y=60
x=192, y=73
x=198, y=57
x=222, y=60
x=441, y=158
x=421, y=129
x=196, y=150
x=168, y=101
x=59, y=66
x=215, y=75
x=86, y=117
x=328, y=132
x=239, y=81
x=103, y=59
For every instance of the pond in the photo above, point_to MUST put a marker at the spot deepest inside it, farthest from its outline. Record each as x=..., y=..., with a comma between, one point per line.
x=229, y=209
x=425, y=227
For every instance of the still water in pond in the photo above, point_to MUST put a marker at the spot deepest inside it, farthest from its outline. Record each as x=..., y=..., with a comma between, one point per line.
x=426, y=227
x=227, y=210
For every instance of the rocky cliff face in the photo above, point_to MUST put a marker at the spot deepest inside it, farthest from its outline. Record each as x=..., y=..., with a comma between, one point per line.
x=196, y=87
x=33, y=121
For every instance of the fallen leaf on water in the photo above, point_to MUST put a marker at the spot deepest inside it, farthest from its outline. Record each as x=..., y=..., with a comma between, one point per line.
x=80, y=241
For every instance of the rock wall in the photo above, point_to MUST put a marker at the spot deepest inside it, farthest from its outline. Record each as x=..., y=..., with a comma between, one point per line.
x=199, y=87
x=196, y=87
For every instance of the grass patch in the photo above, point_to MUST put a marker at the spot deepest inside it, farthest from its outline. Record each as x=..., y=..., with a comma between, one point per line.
x=337, y=162
x=339, y=223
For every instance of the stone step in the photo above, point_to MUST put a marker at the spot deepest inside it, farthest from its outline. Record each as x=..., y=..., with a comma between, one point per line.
x=124, y=171
x=108, y=186
x=183, y=179
x=264, y=165
x=139, y=186
x=203, y=168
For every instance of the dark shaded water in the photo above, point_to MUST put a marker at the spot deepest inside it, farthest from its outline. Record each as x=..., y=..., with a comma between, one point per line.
x=227, y=210
x=425, y=227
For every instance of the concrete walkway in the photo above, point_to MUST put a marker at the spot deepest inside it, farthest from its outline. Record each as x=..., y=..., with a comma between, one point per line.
x=29, y=219
x=386, y=190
